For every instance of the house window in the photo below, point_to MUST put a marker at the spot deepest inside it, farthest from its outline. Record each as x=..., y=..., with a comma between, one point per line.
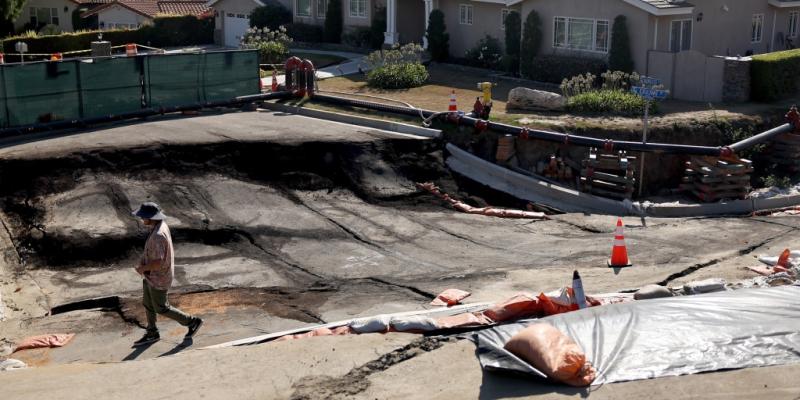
x=757, y=30
x=580, y=34
x=793, y=19
x=503, y=14
x=54, y=16
x=465, y=14
x=303, y=8
x=34, y=20
x=322, y=8
x=680, y=35
x=358, y=8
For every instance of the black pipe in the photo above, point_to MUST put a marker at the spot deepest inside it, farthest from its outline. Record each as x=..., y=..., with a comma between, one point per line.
x=761, y=137
x=145, y=112
x=544, y=135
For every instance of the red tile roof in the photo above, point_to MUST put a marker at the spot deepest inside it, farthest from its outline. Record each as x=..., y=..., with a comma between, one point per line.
x=151, y=8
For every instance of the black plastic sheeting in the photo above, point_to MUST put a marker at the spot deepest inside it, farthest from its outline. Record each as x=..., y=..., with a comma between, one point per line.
x=669, y=336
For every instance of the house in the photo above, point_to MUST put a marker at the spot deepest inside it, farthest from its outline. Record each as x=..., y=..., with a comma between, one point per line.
x=232, y=18
x=38, y=13
x=131, y=14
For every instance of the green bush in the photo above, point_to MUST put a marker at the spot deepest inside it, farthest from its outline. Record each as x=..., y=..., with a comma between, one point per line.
x=272, y=46
x=399, y=76
x=271, y=15
x=774, y=75
x=531, y=42
x=609, y=101
x=334, y=22
x=555, y=69
x=513, y=30
x=485, y=54
x=619, y=55
x=438, y=38
x=305, y=32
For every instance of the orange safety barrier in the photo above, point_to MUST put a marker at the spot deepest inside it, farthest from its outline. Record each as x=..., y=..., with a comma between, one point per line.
x=130, y=50
x=619, y=253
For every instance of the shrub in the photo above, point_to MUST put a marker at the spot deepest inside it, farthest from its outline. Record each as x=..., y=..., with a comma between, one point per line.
x=377, y=28
x=360, y=36
x=271, y=15
x=333, y=22
x=50, y=29
x=554, y=69
x=485, y=54
x=272, y=46
x=398, y=68
x=609, y=101
x=305, y=32
x=774, y=75
x=531, y=42
x=438, y=38
x=513, y=25
x=619, y=55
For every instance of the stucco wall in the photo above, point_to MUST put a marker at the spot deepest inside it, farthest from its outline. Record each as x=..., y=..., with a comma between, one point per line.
x=120, y=15
x=638, y=22
x=411, y=20
x=64, y=17
x=486, y=20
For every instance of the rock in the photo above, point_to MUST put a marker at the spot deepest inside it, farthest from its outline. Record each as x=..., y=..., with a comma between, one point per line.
x=652, y=292
x=531, y=99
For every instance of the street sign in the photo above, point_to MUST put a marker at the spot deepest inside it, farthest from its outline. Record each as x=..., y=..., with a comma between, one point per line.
x=648, y=81
x=650, y=93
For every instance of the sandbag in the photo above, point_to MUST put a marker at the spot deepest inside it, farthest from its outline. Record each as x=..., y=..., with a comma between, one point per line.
x=704, y=286
x=548, y=307
x=514, y=308
x=50, y=340
x=450, y=297
x=553, y=353
x=378, y=323
x=464, y=320
x=10, y=364
x=416, y=323
x=652, y=292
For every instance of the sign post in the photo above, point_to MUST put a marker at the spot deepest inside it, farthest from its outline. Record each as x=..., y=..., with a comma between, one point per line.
x=21, y=48
x=649, y=92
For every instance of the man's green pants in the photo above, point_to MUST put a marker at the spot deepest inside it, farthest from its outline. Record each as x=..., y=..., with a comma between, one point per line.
x=155, y=302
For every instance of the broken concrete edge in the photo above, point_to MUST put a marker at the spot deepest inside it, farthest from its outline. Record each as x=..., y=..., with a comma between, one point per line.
x=390, y=126
x=569, y=200
x=442, y=311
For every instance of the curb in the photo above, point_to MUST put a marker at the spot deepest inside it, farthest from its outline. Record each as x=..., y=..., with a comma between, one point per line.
x=356, y=120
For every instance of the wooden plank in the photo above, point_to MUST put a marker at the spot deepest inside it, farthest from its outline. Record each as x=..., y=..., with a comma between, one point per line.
x=607, y=177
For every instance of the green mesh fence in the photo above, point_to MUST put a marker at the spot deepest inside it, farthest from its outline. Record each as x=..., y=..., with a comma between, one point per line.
x=230, y=74
x=111, y=86
x=41, y=92
x=78, y=89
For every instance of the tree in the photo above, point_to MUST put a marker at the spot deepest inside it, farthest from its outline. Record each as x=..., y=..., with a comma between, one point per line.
x=531, y=41
x=377, y=28
x=438, y=38
x=271, y=15
x=9, y=11
x=513, y=25
x=333, y=22
x=619, y=55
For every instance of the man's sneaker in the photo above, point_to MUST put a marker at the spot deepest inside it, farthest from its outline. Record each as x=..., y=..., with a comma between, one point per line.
x=149, y=337
x=193, y=327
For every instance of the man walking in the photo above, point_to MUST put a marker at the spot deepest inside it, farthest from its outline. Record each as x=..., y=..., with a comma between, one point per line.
x=156, y=267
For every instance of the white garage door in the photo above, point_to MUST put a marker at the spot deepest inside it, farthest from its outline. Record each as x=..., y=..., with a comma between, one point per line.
x=235, y=26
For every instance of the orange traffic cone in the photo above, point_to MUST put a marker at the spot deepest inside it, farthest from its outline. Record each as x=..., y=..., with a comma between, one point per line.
x=274, y=82
x=452, y=107
x=619, y=253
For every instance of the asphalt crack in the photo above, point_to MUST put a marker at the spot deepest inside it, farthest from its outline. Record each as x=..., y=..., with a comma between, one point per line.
x=418, y=291
x=357, y=380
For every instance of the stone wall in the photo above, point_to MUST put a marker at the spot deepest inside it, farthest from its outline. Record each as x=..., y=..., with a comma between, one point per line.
x=736, y=80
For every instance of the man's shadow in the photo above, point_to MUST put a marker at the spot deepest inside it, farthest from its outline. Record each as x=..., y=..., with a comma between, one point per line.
x=137, y=351
x=186, y=343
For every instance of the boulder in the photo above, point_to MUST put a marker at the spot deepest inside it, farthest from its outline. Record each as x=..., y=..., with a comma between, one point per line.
x=523, y=98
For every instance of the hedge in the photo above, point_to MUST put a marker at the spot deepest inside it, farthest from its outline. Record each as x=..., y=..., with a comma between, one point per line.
x=305, y=32
x=774, y=75
x=166, y=31
x=554, y=69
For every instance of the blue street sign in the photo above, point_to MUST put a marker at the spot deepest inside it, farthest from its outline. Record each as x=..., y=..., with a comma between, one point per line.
x=650, y=93
x=648, y=81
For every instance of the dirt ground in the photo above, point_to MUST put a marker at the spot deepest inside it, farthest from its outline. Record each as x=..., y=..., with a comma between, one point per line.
x=282, y=222
x=444, y=78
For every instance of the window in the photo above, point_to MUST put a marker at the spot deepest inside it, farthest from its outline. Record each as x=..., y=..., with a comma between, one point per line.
x=680, y=35
x=34, y=20
x=322, y=8
x=358, y=8
x=231, y=15
x=793, y=19
x=503, y=14
x=580, y=34
x=758, y=28
x=465, y=14
x=54, y=16
x=303, y=8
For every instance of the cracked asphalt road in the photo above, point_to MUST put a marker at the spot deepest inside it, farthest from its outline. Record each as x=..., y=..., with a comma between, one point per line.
x=283, y=221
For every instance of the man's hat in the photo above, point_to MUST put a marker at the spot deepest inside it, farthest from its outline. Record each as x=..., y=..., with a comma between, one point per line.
x=150, y=210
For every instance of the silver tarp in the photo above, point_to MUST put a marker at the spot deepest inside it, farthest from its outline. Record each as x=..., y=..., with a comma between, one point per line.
x=670, y=336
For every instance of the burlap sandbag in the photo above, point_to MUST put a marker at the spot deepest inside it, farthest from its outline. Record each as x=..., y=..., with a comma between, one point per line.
x=553, y=353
